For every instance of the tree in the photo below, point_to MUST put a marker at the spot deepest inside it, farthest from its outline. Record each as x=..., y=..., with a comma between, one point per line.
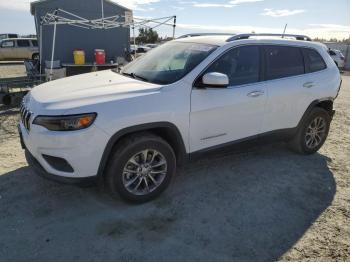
x=147, y=36
x=346, y=41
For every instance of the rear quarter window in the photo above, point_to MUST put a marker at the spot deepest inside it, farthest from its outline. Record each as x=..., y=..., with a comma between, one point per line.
x=313, y=60
x=283, y=61
x=35, y=43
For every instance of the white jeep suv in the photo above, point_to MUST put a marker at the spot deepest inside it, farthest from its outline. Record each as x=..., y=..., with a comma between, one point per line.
x=189, y=96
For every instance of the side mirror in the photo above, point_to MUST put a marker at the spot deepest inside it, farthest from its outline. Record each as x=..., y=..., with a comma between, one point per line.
x=215, y=80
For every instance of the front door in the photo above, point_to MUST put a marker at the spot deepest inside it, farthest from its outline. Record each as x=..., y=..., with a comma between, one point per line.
x=23, y=49
x=7, y=50
x=222, y=115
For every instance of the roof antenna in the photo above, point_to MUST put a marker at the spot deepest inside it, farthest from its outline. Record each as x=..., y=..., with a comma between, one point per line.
x=284, y=31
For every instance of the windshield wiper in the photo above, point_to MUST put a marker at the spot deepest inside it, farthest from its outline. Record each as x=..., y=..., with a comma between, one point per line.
x=129, y=74
x=133, y=75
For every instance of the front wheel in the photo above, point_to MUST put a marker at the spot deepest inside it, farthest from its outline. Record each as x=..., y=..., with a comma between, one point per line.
x=141, y=168
x=313, y=132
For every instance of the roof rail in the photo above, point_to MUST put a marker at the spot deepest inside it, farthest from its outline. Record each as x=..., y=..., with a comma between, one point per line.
x=204, y=34
x=247, y=36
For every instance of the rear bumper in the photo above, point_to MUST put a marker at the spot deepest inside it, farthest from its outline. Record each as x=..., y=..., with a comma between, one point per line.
x=35, y=165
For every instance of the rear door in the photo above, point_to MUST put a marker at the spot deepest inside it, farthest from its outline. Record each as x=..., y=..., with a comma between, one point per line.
x=226, y=114
x=34, y=47
x=315, y=78
x=288, y=90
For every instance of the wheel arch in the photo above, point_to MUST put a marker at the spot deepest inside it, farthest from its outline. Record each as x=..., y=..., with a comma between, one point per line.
x=326, y=104
x=166, y=130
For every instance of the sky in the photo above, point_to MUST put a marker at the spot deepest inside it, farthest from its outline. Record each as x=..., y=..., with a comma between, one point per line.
x=316, y=18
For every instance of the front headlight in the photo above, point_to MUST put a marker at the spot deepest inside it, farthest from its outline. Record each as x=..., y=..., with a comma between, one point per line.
x=65, y=123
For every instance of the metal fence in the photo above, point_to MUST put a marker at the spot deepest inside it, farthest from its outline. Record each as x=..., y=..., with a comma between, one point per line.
x=345, y=49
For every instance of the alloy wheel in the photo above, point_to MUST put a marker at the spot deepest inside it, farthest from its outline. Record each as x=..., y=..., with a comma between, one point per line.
x=144, y=172
x=315, y=132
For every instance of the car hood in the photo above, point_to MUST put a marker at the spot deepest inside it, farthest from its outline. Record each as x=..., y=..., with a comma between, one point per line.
x=87, y=89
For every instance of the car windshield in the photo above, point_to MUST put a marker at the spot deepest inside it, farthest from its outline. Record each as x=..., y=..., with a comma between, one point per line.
x=168, y=63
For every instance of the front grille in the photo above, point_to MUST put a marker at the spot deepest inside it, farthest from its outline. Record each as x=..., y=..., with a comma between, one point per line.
x=25, y=116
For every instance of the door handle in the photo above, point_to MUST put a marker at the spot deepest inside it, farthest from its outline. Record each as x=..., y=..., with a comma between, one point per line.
x=308, y=84
x=255, y=93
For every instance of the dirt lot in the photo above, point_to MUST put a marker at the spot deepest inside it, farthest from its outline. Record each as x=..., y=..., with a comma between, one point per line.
x=265, y=204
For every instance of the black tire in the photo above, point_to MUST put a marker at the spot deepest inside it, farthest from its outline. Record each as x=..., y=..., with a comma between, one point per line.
x=299, y=142
x=126, y=150
x=7, y=100
x=35, y=56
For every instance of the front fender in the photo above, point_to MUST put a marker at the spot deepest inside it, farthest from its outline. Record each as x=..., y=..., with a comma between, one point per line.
x=178, y=140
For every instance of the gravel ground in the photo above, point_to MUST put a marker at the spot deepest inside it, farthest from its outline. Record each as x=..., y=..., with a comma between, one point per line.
x=265, y=204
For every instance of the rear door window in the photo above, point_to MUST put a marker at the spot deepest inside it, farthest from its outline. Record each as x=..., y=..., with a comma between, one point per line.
x=313, y=61
x=283, y=61
x=241, y=65
x=23, y=43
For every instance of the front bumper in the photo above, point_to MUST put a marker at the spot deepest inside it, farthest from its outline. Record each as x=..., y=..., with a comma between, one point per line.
x=33, y=163
x=82, y=149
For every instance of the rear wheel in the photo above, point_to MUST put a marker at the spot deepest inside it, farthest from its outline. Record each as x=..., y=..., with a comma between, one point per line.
x=7, y=100
x=313, y=132
x=35, y=56
x=141, y=168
